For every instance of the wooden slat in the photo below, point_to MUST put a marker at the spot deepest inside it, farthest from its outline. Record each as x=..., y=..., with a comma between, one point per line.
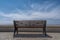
x=29, y=27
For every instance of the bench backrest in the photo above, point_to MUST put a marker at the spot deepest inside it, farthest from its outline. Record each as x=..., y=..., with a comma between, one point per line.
x=30, y=23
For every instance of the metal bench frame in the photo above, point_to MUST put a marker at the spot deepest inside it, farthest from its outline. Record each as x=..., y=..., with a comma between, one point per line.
x=16, y=28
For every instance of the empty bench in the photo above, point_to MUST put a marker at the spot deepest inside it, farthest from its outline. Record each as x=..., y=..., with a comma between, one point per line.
x=29, y=24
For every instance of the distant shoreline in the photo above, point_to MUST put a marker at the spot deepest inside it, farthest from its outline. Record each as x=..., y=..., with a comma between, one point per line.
x=12, y=26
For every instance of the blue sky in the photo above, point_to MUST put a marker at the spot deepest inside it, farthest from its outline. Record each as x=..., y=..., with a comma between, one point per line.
x=29, y=10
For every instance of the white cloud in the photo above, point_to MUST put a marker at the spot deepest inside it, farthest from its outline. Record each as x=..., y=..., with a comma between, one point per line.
x=44, y=6
x=43, y=15
x=31, y=14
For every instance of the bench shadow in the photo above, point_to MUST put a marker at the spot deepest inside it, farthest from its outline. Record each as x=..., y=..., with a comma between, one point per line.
x=33, y=35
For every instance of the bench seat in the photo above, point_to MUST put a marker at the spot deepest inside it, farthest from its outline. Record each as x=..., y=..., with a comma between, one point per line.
x=29, y=24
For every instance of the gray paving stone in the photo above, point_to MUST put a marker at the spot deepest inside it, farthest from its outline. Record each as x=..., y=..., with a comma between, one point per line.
x=9, y=36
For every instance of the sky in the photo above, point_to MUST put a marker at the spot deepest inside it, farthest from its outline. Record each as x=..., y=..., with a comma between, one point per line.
x=29, y=10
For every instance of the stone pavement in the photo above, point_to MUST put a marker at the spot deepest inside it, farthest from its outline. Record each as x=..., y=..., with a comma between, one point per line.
x=29, y=36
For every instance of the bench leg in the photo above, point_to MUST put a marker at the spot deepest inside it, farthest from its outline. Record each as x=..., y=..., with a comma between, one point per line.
x=44, y=31
x=14, y=31
x=17, y=30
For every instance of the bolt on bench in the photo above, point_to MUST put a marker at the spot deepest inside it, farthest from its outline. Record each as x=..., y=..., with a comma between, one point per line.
x=29, y=24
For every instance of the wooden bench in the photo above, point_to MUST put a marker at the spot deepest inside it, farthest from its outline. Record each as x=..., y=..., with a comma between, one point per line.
x=29, y=24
